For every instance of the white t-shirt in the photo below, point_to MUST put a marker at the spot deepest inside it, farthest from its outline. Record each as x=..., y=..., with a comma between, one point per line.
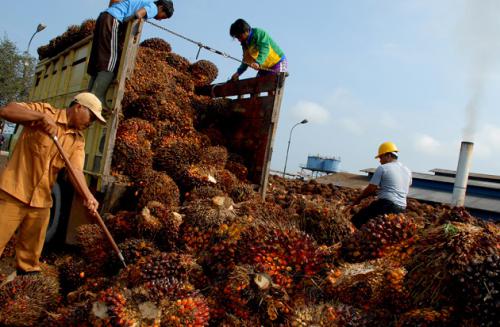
x=393, y=180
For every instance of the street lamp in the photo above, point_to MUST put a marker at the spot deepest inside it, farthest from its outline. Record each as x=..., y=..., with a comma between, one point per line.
x=39, y=28
x=289, y=141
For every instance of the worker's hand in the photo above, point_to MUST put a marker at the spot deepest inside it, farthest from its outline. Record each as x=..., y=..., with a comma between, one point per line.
x=92, y=205
x=255, y=66
x=48, y=125
x=235, y=77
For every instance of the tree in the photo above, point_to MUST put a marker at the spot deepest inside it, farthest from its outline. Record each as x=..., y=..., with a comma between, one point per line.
x=16, y=72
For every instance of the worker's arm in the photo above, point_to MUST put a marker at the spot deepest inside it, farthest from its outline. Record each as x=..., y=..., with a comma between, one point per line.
x=371, y=189
x=19, y=114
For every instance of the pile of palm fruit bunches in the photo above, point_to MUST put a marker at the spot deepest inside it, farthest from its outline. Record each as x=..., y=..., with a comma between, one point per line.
x=203, y=249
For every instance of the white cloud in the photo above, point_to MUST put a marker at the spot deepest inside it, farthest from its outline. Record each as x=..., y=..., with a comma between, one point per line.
x=428, y=145
x=351, y=125
x=487, y=142
x=312, y=111
x=388, y=121
x=343, y=100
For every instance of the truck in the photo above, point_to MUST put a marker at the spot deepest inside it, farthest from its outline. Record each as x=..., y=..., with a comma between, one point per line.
x=254, y=110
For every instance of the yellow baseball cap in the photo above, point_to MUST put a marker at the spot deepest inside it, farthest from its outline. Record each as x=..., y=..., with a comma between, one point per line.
x=91, y=102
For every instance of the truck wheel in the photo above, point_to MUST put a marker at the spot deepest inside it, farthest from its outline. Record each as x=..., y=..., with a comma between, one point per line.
x=55, y=213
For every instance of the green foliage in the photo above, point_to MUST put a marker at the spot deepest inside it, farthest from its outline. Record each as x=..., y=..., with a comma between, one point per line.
x=16, y=72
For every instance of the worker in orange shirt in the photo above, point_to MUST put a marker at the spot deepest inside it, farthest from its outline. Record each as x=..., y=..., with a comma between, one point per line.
x=27, y=180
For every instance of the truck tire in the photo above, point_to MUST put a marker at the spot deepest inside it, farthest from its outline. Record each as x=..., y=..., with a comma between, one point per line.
x=55, y=213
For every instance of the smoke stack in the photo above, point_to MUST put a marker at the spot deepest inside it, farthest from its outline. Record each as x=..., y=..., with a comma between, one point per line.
x=458, y=198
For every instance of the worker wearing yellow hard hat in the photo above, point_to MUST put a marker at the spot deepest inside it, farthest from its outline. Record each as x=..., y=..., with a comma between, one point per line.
x=391, y=182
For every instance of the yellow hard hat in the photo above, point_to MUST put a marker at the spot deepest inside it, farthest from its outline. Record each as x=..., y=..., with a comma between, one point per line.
x=385, y=148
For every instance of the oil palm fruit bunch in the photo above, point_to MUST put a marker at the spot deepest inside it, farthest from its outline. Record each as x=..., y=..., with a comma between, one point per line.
x=376, y=235
x=73, y=272
x=26, y=300
x=187, y=311
x=243, y=192
x=111, y=308
x=122, y=225
x=132, y=154
x=158, y=266
x=154, y=107
x=214, y=156
x=326, y=221
x=287, y=255
x=156, y=44
x=456, y=214
x=207, y=213
x=220, y=255
x=328, y=314
x=196, y=240
x=93, y=245
x=133, y=249
x=203, y=192
x=358, y=284
x=248, y=293
x=443, y=260
x=479, y=284
x=203, y=72
x=171, y=222
x=159, y=187
x=428, y=317
x=196, y=175
x=73, y=315
x=157, y=290
x=226, y=180
x=172, y=154
x=177, y=62
x=236, y=292
x=238, y=169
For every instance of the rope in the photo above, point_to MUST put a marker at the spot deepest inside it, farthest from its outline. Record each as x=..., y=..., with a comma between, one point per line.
x=202, y=46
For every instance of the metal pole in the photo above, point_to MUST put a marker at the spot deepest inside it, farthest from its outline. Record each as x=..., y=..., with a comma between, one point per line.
x=39, y=28
x=462, y=175
x=289, y=141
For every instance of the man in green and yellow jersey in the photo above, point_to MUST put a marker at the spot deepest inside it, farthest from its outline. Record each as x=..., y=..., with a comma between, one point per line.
x=259, y=50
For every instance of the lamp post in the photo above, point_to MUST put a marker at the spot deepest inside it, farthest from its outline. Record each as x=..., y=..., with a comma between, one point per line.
x=289, y=141
x=39, y=28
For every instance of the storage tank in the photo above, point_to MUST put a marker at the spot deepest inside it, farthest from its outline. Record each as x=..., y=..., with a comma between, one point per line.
x=314, y=163
x=331, y=165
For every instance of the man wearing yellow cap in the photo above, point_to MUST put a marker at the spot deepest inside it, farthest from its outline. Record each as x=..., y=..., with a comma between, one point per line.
x=27, y=180
x=391, y=182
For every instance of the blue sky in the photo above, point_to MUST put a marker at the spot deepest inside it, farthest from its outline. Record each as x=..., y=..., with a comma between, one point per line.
x=362, y=72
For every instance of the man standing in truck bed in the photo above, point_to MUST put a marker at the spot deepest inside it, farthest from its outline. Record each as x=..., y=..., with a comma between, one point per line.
x=27, y=180
x=105, y=54
x=259, y=50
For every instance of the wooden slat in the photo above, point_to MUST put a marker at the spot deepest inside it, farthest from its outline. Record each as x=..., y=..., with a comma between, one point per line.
x=241, y=87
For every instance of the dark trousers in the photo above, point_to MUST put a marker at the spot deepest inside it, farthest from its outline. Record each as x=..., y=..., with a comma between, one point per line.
x=106, y=44
x=376, y=208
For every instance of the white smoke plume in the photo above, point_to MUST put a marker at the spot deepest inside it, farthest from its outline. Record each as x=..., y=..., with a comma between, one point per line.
x=479, y=41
